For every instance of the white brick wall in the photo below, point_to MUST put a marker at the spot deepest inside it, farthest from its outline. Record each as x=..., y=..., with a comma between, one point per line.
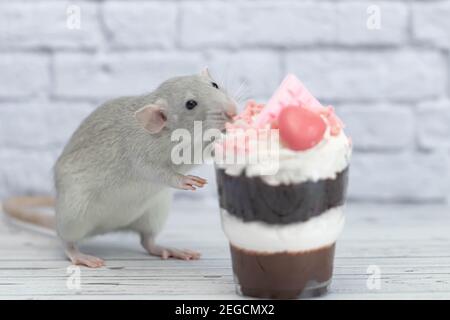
x=103, y=75
x=434, y=125
x=23, y=75
x=406, y=75
x=399, y=176
x=42, y=24
x=430, y=23
x=140, y=25
x=379, y=127
x=391, y=86
x=39, y=125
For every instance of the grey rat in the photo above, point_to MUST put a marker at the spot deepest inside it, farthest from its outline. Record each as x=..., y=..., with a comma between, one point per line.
x=116, y=172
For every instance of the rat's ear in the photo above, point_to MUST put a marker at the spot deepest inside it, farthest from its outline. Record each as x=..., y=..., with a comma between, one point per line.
x=205, y=72
x=152, y=117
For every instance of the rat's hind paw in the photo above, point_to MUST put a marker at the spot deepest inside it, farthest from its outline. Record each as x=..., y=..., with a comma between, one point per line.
x=148, y=242
x=166, y=253
x=190, y=182
x=87, y=260
x=82, y=259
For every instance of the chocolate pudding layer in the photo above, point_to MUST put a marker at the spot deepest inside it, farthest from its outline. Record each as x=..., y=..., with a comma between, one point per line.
x=283, y=275
x=251, y=199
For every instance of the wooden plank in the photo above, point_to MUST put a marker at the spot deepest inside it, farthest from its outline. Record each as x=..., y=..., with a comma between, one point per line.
x=409, y=244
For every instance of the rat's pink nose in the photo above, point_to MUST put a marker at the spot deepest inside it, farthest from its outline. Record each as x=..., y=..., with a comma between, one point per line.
x=231, y=110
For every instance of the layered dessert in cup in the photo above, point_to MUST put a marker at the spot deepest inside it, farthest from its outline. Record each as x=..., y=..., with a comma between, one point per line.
x=282, y=203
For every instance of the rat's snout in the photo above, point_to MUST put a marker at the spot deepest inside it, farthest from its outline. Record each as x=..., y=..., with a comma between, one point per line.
x=231, y=110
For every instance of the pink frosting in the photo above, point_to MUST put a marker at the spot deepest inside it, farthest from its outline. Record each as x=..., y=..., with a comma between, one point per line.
x=245, y=118
x=244, y=122
x=291, y=93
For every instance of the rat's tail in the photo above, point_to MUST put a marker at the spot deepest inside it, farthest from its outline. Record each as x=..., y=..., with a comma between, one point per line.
x=24, y=210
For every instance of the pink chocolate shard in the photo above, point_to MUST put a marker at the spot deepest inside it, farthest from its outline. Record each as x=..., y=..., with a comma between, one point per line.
x=291, y=92
x=333, y=120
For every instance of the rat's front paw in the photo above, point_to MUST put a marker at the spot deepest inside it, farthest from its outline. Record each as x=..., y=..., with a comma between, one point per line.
x=191, y=182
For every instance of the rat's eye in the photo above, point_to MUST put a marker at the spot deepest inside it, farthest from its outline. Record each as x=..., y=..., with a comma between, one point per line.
x=215, y=85
x=190, y=104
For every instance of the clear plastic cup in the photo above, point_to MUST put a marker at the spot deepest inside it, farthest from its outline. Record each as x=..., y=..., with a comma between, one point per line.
x=259, y=219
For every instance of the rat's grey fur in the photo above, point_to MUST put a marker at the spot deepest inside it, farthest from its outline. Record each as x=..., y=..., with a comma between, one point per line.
x=113, y=174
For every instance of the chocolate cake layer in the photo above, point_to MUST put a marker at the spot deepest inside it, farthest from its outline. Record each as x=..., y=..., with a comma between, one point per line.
x=251, y=199
x=282, y=275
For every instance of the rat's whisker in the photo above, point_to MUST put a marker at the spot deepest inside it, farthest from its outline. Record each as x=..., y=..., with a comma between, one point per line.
x=222, y=79
x=243, y=86
x=242, y=91
x=225, y=75
x=243, y=95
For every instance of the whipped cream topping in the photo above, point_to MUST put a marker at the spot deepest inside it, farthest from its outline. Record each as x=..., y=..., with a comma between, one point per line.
x=317, y=232
x=286, y=166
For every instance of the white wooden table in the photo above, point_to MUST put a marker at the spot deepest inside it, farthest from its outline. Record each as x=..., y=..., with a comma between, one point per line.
x=409, y=245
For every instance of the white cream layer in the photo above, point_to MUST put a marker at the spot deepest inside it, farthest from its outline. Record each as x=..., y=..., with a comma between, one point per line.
x=324, y=161
x=317, y=232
